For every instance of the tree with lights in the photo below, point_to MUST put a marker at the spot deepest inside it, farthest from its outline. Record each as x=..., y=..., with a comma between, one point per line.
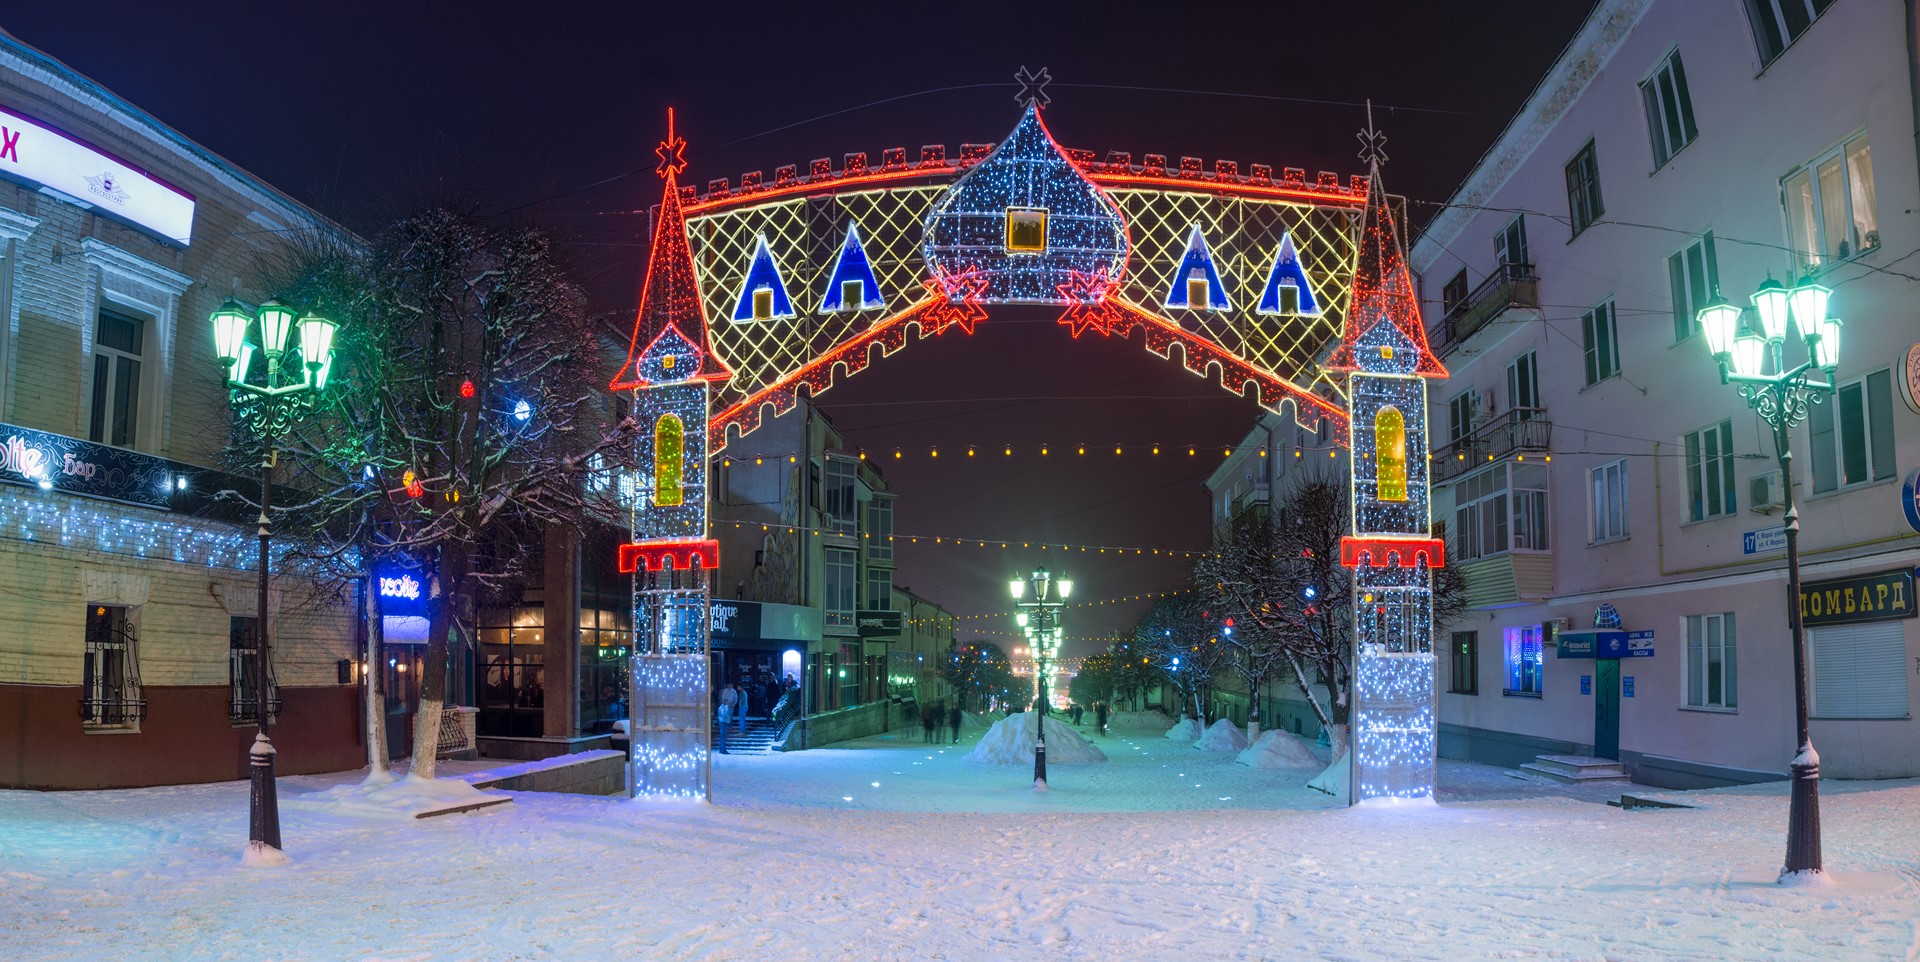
x=461, y=423
x=977, y=671
x=1257, y=647
x=1180, y=638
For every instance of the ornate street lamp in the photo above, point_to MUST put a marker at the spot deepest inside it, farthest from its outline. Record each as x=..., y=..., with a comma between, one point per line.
x=278, y=398
x=1783, y=400
x=1041, y=620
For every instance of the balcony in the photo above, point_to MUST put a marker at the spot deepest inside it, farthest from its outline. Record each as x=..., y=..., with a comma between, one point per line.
x=1510, y=286
x=1252, y=499
x=1518, y=431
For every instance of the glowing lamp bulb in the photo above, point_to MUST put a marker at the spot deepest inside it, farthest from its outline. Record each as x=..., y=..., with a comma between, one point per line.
x=522, y=410
x=466, y=388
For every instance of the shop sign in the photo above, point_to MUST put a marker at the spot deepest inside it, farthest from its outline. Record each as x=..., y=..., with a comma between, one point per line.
x=402, y=589
x=1764, y=541
x=1910, y=378
x=879, y=623
x=1605, y=643
x=1881, y=596
x=728, y=620
x=1910, y=499
x=45, y=155
x=56, y=462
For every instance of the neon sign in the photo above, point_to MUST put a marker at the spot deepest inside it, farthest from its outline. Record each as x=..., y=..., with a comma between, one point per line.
x=45, y=155
x=405, y=586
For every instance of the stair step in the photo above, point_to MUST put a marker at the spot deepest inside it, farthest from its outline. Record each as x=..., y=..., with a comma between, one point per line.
x=1578, y=769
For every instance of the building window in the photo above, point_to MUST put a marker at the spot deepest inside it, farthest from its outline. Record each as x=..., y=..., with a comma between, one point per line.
x=1609, y=501
x=1454, y=293
x=1602, y=343
x=842, y=492
x=243, y=659
x=1710, y=472
x=1830, y=206
x=1694, y=273
x=842, y=582
x=1778, y=23
x=1852, y=434
x=1523, y=387
x=1510, y=245
x=1669, y=110
x=669, y=453
x=1500, y=509
x=1526, y=661
x=879, y=595
x=117, y=342
x=1466, y=663
x=1460, y=415
x=1712, y=670
x=1583, y=189
x=1026, y=230
x=848, y=672
x=110, y=696
x=1859, y=671
x=1390, y=453
x=880, y=529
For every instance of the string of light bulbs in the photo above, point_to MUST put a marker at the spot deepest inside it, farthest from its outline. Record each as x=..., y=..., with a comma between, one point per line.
x=947, y=540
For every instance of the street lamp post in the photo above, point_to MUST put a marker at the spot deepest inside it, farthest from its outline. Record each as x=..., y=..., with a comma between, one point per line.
x=1041, y=619
x=277, y=400
x=1783, y=400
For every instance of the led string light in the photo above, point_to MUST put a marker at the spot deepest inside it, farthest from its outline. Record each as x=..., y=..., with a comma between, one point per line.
x=73, y=525
x=948, y=541
x=1117, y=600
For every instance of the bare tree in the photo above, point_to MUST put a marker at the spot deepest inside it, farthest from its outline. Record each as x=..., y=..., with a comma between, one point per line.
x=1180, y=638
x=977, y=670
x=464, y=418
x=1256, y=646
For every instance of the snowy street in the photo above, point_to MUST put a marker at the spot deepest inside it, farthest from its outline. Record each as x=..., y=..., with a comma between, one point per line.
x=892, y=849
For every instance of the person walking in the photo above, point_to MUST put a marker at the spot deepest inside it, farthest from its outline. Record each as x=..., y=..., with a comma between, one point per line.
x=953, y=721
x=929, y=718
x=743, y=703
x=1100, y=716
x=729, y=706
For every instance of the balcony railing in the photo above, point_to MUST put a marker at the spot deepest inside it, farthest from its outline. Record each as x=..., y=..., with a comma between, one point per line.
x=1250, y=499
x=1518, y=431
x=1509, y=286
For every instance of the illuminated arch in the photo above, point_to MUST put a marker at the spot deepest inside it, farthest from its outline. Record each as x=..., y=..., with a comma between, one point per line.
x=1390, y=453
x=669, y=461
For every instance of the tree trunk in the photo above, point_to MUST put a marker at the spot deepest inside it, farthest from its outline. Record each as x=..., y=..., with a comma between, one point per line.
x=433, y=686
x=1253, y=708
x=374, y=667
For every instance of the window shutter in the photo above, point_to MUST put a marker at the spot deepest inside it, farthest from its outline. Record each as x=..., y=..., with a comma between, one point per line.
x=1859, y=671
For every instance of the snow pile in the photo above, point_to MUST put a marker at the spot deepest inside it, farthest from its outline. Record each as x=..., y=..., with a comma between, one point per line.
x=1279, y=749
x=1010, y=742
x=1334, y=780
x=1224, y=736
x=403, y=798
x=1186, y=730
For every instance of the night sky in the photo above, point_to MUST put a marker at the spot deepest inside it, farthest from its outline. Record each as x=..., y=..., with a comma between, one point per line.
x=549, y=113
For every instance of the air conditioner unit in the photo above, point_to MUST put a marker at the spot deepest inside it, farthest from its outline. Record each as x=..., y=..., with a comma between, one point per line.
x=1765, y=493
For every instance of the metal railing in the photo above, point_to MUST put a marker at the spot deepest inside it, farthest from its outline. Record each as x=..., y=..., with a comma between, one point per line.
x=1517, y=431
x=112, y=711
x=1509, y=286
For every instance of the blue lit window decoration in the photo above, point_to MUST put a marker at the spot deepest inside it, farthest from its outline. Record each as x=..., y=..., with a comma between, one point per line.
x=968, y=226
x=1287, y=272
x=763, y=295
x=851, y=285
x=1196, y=283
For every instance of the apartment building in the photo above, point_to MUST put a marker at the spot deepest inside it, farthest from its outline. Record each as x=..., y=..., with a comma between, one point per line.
x=1593, y=472
x=127, y=588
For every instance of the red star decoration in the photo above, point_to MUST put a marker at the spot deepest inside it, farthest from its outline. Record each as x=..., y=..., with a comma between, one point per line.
x=1090, y=311
x=672, y=151
x=943, y=313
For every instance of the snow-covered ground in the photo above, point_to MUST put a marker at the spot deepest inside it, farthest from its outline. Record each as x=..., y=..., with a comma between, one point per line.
x=891, y=849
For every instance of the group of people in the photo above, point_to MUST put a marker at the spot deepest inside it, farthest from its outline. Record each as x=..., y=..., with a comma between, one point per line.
x=735, y=702
x=1100, y=713
x=932, y=719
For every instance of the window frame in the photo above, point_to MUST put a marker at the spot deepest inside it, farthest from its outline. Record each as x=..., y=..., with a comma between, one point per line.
x=1028, y=216
x=1693, y=630
x=1698, y=464
x=1690, y=291
x=1513, y=233
x=1590, y=345
x=1584, y=203
x=1669, y=79
x=1457, y=428
x=110, y=628
x=1464, y=646
x=1476, y=521
x=1834, y=453
x=1815, y=259
x=836, y=563
x=105, y=391
x=1782, y=35
x=1515, y=641
x=1454, y=293
x=841, y=495
x=1600, y=511
x=880, y=528
x=1524, y=372
x=243, y=646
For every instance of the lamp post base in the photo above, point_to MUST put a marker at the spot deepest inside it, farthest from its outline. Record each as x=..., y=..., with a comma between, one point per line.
x=1040, y=763
x=1803, y=821
x=263, y=809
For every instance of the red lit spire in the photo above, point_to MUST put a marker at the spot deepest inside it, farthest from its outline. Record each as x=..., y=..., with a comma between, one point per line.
x=1383, y=320
x=670, y=299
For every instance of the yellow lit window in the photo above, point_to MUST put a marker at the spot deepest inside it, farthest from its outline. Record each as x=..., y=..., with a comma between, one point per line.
x=1026, y=230
x=669, y=460
x=763, y=304
x=1390, y=451
x=1197, y=290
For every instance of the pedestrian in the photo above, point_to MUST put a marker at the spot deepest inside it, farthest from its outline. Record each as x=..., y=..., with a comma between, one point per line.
x=953, y=721
x=772, y=692
x=740, y=708
x=1100, y=716
x=729, y=706
x=929, y=717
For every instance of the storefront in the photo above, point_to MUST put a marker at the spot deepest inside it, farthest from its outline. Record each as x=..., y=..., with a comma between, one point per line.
x=766, y=648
